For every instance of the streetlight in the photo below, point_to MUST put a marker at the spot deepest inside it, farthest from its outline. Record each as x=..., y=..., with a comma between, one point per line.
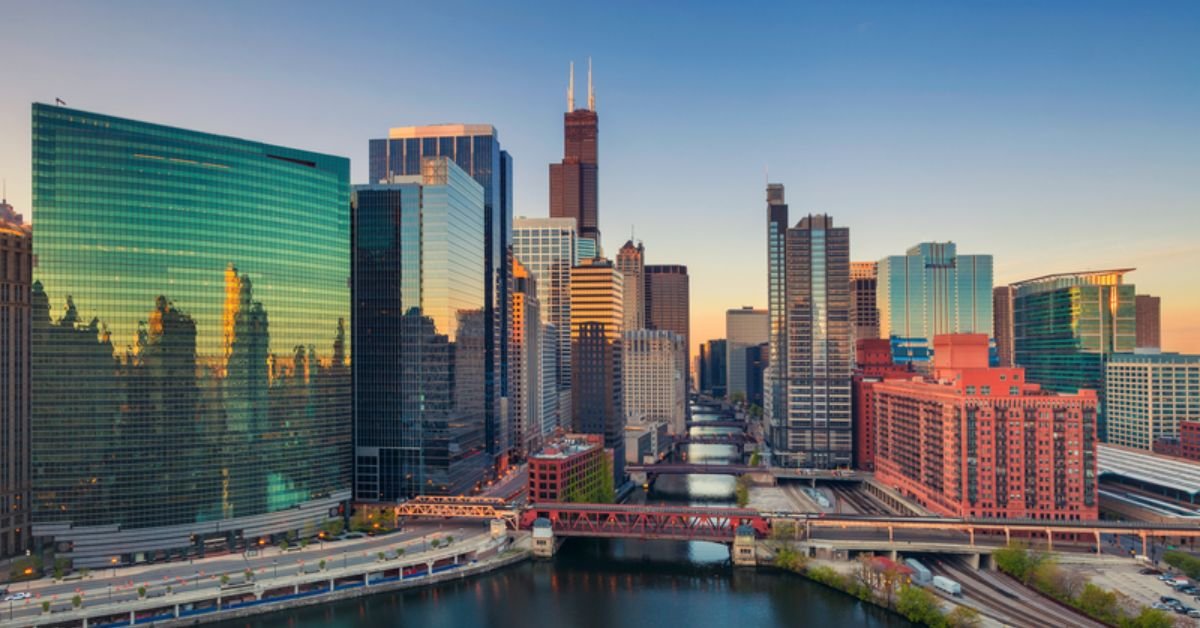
x=275, y=566
x=343, y=560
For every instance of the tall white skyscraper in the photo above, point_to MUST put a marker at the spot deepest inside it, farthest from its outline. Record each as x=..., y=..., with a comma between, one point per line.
x=655, y=381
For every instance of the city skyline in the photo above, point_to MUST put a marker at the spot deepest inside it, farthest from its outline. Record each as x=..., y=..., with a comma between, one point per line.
x=975, y=135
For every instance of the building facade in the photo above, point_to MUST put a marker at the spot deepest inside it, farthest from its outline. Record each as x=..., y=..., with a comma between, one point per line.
x=1149, y=321
x=863, y=286
x=1002, y=324
x=597, y=368
x=815, y=429
x=420, y=322
x=775, y=377
x=713, y=374
x=1149, y=396
x=745, y=328
x=574, y=185
x=1066, y=327
x=1189, y=440
x=631, y=261
x=667, y=301
x=16, y=268
x=475, y=148
x=655, y=378
x=191, y=377
x=974, y=441
x=872, y=364
x=929, y=291
x=757, y=360
x=546, y=247
x=526, y=403
x=572, y=468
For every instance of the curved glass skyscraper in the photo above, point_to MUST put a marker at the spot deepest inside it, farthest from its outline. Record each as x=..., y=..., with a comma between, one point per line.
x=191, y=377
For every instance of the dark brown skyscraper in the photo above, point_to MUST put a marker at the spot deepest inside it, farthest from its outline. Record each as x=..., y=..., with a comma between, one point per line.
x=573, y=184
x=15, y=268
x=863, y=279
x=667, y=302
x=1002, y=323
x=1149, y=322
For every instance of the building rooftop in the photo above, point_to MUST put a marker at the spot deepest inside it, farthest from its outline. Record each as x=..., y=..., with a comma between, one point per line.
x=1104, y=277
x=1148, y=468
x=566, y=447
x=440, y=130
x=1155, y=358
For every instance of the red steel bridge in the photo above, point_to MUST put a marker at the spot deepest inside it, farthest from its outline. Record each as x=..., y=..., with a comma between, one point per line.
x=645, y=522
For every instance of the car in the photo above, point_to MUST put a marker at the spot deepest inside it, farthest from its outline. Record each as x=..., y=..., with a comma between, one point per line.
x=1183, y=610
x=1193, y=613
x=1166, y=576
x=1189, y=590
x=17, y=597
x=1166, y=599
x=1149, y=571
x=1159, y=606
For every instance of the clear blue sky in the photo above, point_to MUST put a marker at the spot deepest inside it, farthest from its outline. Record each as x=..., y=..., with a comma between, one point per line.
x=1056, y=136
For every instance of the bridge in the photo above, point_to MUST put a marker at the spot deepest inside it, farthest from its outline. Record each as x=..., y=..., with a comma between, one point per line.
x=736, y=439
x=684, y=523
x=733, y=423
x=466, y=507
x=677, y=468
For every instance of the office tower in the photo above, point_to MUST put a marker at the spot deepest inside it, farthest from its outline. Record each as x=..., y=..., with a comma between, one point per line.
x=573, y=181
x=1000, y=447
x=165, y=424
x=630, y=261
x=872, y=364
x=1002, y=323
x=774, y=403
x=1148, y=397
x=1149, y=322
x=419, y=328
x=475, y=148
x=551, y=404
x=655, y=378
x=757, y=358
x=546, y=247
x=597, y=317
x=815, y=430
x=16, y=266
x=744, y=328
x=929, y=291
x=863, y=280
x=713, y=373
x=1066, y=326
x=525, y=359
x=667, y=301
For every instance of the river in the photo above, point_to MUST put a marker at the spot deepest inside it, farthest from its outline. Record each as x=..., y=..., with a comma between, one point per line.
x=611, y=583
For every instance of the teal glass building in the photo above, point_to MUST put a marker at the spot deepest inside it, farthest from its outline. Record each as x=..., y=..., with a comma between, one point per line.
x=929, y=291
x=191, y=372
x=1067, y=326
x=420, y=328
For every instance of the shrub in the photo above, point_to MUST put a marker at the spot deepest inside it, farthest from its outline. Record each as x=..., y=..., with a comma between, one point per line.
x=964, y=617
x=224, y=579
x=321, y=565
x=449, y=540
x=46, y=606
x=742, y=491
x=919, y=606
x=142, y=591
x=77, y=601
x=1184, y=562
x=436, y=543
x=381, y=555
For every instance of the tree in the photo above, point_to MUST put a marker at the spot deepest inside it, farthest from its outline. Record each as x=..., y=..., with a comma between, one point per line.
x=77, y=601
x=742, y=491
x=142, y=591
x=1098, y=603
x=755, y=459
x=224, y=579
x=1149, y=618
x=283, y=545
x=964, y=617
x=789, y=559
x=381, y=556
x=321, y=565
x=399, y=552
x=782, y=531
x=436, y=543
x=919, y=606
x=45, y=606
x=249, y=575
x=1017, y=561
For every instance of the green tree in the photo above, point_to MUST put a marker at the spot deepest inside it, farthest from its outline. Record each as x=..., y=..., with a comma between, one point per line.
x=224, y=579
x=321, y=565
x=1184, y=562
x=1148, y=618
x=1017, y=561
x=142, y=591
x=919, y=606
x=788, y=558
x=1098, y=603
x=381, y=556
x=436, y=543
x=742, y=491
x=964, y=617
x=755, y=459
x=77, y=601
x=46, y=606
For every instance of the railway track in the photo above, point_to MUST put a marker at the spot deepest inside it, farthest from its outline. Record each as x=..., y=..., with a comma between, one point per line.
x=860, y=503
x=1024, y=607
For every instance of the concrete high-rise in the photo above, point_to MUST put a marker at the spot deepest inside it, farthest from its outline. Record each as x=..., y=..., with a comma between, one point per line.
x=525, y=398
x=158, y=432
x=1149, y=322
x=546, y=247
x=419, y=328
x=774, y=402
x=1002, y=323
x=1148, y=397
x=631, y=261
x=1066, y=326
x=597, y=372
x=655, y=378
x=863, y=280
x=974, y=441
x=574, y=189
x=475, y=148
x=814, y=430
x=16, y=267
x=745, y=328
x=667, y=301
x=929, y=291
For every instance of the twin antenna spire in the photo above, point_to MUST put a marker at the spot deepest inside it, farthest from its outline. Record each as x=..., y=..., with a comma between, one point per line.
x=571, y=89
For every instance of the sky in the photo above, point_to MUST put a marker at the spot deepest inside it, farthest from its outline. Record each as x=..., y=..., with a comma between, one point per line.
x=1056, y=136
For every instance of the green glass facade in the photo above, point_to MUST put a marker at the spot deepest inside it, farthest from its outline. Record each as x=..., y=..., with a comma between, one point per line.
x=191, y=369
x=1065, y=328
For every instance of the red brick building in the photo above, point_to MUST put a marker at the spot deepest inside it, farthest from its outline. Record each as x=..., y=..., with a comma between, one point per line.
x=1189, y=440
x=572, y=468
x=873, y=364
x=974, y=441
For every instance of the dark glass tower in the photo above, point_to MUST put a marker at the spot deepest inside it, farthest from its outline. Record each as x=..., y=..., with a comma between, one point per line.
x=191, y=383
x=419, y=398
x=774, y=405
x=667, y=299
x=573, y=181
x=475, y=148
x=16, y=264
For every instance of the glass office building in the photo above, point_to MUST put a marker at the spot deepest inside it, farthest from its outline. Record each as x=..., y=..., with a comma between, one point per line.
x=929, y=291
x=1066, y=327
x=191, y=373
x=420, y=403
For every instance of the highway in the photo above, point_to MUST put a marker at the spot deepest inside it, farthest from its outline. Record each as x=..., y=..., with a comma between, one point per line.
x=121, y=583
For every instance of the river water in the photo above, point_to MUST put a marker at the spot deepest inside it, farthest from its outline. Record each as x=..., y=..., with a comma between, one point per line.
x=612, y=583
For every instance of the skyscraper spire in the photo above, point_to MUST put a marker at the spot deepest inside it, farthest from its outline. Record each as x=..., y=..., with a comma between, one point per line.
x=571, y=90
x=591, y=92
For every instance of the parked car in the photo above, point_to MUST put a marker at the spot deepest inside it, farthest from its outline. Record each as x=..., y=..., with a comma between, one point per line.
x=1149, y=571
x=1166, y=599
x=1159, y=606
x=1193, y=613
x=1183, y=610
x=1166, y=576
x=17, y=597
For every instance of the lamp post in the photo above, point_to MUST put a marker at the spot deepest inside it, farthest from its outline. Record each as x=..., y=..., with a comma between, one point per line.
x=275, y=566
